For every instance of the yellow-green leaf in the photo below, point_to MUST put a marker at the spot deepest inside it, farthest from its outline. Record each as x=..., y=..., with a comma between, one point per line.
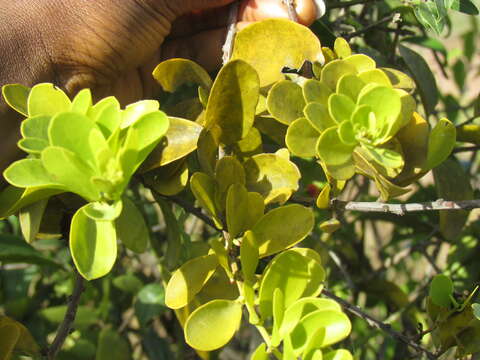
x=237, y=208
x=212, y=325
x=440, y=143
x=302, y=138
x=173, y=73
x=285, y=101
x=16, y=96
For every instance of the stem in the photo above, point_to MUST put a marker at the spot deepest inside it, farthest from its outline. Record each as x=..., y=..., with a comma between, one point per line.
x=371, y=321
x=265, y=336
x=368, y=28
x=67, y=323
x=292, y=12
x=232, y=30
x=345, y=4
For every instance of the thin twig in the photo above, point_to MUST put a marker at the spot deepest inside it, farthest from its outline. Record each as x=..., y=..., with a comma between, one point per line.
x=465, y=149
x=232, y=30
x=371, y=321
x=402, y=209
x=345, y=4
x=369, y=27
x=292, y=12
x=67, y=323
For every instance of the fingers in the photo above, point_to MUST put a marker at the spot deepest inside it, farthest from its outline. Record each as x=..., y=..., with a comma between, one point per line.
x=256, y=10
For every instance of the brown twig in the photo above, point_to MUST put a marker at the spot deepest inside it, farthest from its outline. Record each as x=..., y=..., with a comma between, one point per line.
x=402, y=209
x=369, y=27
x=371, y=321
x=67, y=323
x=345, y=4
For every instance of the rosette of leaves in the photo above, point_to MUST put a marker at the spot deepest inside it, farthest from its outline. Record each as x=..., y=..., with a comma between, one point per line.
x=357, y=118
x=91, y=150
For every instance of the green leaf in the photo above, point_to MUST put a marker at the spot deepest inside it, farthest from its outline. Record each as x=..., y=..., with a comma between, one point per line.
x=441, y=290
x=440, y=143
x=430, y=16
x=15, y=250
x=85, y=317
x=128, y=283
x=103, y=211
x=340, y=354
x=170, y=179
x=476, y=310
x=71, y=171
x=272, y=234
x=106, y=114
x=375, y=76
x=9, y=336
x=93, y=245
x=347, y=133
x=131, y=227
x=452, y=182
x=336, y=155
x=112, y=345
x=36, y=127
x=203, y=188
x=295, y=275
x=82, y=102
x=260, y=353
x=272, y=176
x=237, y=208
x=174, y=73
x=334, y=70
x=150, y=303
x=13, y=198
x=180, y=140
x=399, y=80
x=319, y=116
x=302, y=138
x=291, y=43
x=188, y=280
x=360, y=62
x=316, y=91
x=45, y=99
x=385, y=157
x=427, y=42
x=464, y=6
x=336, y=327
x=341, y=48
x=137, y=110
x=340, y=107
x=30, y=173
x=30, y=219
x=249, y=256
x=25, y=344
x=228, y=171
x=285, y=101
x=16, y=96
x=302, y=307
x=202, y=327
x=423, y=77
x=233, y=101
x=256, y=209
x=350, y=85
x=32, y=145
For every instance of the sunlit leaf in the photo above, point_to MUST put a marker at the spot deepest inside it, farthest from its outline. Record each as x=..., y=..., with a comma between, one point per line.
x=440, y=143
x=341, y=48
x=93, y=245
x=131, y=227
x=46, y=99
x=360, y=62
x=208, y=319
x=260, y=353
x=29, y=173
x=137, y=110
x=314, y=90
x=285, y=101
x=82, y=102
x=399, y=79
x=30, y=219
x=334, y=70
x=233, y=101
x=340, y=354
x=441, y=290
x=173, y=73
x=291, y=43
x=302, y=138
x=188, y=280
x=150, y=303
x=336, y=155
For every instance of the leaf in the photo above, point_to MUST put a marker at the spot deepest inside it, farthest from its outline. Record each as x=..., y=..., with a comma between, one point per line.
x=423, y=78
x=330, y=226
x=103, y=211
x=285, y=101
x=323, y=199
x=375, y=76
x=302, y=138
x=430, y=16
x=36, y=127
x=188, y=280
x=476, y=310
x=440, y=143
x=46, y=99
x=150, y=303
x=291, y=43
x=203, y=188
x=233, y=101
x=452, y=182
x=272, y=234
x=351, y=86
x=9, y=336
x=169, y=179
x=137, y=110
x=13, y=198
x=341, y=107
x=228, y=171
x=15, y=250
x=85, y=317
x=341, y=48
x=399, y=80
x=237, y=208
x=27, y=173
x=260, y=353
x=302, y=307
x=318, y=116
x=207, y=319
x=16, y=96
x=360, y=62
x=336, y=155
x=128, y=283
x=131, y=227
x=112, y=345
x=180, y=140
x=272, y=176
x=464, y=6
x=71, y=171
x=32, y=145
x=316, y=91
x=427, y=42
x=82, y=102
x=336, y=326
x=93, y=245
x=25, y=344
x=249, y=257
x=174, y=73
x=30, y=218
x=295, y=275
x=441, y=290
x=256, y=209
x=340, y=354
x=334, y=70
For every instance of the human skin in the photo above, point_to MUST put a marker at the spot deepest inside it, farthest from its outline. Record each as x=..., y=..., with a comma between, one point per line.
x=112, y=46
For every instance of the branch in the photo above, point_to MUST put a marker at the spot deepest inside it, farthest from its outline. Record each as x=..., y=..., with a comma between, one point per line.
x=402, y=209
x=377, y=324
x=232, y=30
x=345, y=4
x=292, y=12
x=67, y=323
x=369, y=27
x=465, y=149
